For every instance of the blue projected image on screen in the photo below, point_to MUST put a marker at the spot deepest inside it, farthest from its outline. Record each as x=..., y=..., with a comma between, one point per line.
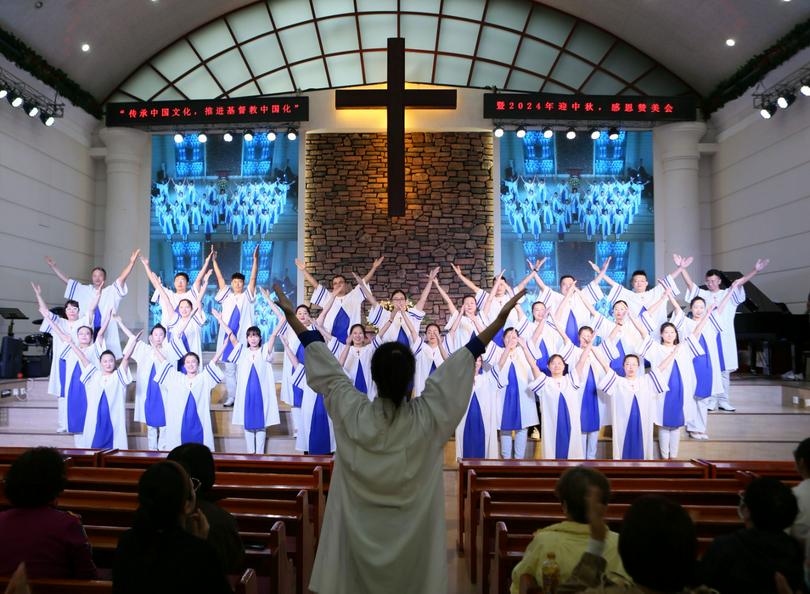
x=232, y=196
x=571, y=201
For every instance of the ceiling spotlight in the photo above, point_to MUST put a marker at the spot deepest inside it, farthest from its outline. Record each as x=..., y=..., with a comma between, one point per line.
x=786, y=99
x=15, y=100
x=498, y=131
x=595, y=134
x=202, y=137
x=571, y=134
x=767, y=111
x=271, y=136
x=178, y=138
x=31, y=109
x=227, y=137
x=520, y=132
x=613, y=134
x=291, y=135
x=47, y=119
x=804, y=89
x=548, y=132
x=85, y=47
x=730, y=42
x=248, y=136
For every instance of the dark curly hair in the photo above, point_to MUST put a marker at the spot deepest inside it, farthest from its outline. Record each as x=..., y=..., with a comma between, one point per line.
x=36, y=478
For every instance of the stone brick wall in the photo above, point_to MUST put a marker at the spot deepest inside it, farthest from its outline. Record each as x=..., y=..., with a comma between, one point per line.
x=449, y=216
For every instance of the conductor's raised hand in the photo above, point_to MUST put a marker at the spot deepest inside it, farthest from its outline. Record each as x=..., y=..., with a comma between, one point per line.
x=284, y=303
x=510, y=305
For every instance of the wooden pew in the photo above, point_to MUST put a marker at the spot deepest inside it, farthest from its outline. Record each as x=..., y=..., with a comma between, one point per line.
x=778, y=469
x=623, y=490
x=52, y=586
x=527, y=517
x=73, y=456
x=554, y=468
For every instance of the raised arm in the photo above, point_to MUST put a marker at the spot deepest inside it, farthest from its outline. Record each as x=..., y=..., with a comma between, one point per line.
x=307, y=276
x=471, y=285
x=130, y=346
x=525, y=281
x=288, y=351
x=636, y=321
x=126, y=330
x=43, y=307
x=325, y=309
x=667, y=294
x=375, y=265
x=727, y=297
x=491, y=294
x=165, y=300
x=365, y=290
x=426, y=291
x=527, y=353
x=254, y=271
x=344, y=352
x=122, y=278
x=222, y=324
x=406, y=320
x=682, y=263
x=220, y=280
x=583, y=359
x=601, y=273
x=450, y=305
x=487, y=334
x=198, y=281
x=759, y=266
x=52, y=265
x=668, y=360
x=218, y=355
x=103, y=329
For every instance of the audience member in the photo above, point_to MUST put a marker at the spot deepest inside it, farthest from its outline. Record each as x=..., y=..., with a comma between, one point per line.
x=52, y=543
x=801, y=526
x=568, y=539
x=223, y=533
x=165, y=551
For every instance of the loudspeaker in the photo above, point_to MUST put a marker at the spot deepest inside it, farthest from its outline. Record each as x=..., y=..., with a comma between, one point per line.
x=11, y=357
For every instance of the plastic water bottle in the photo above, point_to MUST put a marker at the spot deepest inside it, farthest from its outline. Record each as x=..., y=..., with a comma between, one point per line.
x=551, y=574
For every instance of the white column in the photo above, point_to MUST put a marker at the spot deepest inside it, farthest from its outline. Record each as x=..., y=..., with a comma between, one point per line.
x=126, y=224
x=677, y=197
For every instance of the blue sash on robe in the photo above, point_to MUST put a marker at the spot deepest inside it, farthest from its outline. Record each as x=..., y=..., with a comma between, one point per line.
x=360, y=379
x=254, y=403
x=298, y=393
x=642, y=310
x=474, y=440
x=96, y=322
x=103, y=437
x=432, y=368
x=589, y=413
x=617, y=364
x=340, y=327
x=319, y=441
x=77, y=402
x=633, y=448
x=402, y=337
x=542, y=362
x=62, y=378
x=511, y=419
x=153, y=405
x=720, y=352
x=703, y=371
x=233, y=324
x=498, y=338
x=181, y=366
x=673, y=399
x=563, y=439
x=191, y=429
x=571, y=328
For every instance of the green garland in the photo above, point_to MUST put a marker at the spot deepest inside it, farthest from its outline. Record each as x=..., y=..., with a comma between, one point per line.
x=757, y=67
x=30, y=61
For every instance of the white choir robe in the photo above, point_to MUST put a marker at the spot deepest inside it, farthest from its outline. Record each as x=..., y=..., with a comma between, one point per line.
x=496, y=303
x=480, y=421
x=316, y=434
x=237, y=311
x=150, y=396
x=384, y=527
x=174, y=298
x=678, y=406
x=627, y=342
x=106, y=423
x=639, y=303
x=57, y=380
x=75, y=390
x=523, y=413
x=289, y=394
x=595, y=411
x=254, y=378
x=560, y=402
x=188, y=405
x=358, y=365
x=428, y=359
x=576, y=314
x=633, y=405
x=707, y=366
x=727, y=357
x=548, y=344
x=466, y=328
x=192, y=334
x=344, y=313
x=379, y=316
x=110, y=300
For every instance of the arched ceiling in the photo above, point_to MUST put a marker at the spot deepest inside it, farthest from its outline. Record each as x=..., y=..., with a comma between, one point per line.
x=207, y=48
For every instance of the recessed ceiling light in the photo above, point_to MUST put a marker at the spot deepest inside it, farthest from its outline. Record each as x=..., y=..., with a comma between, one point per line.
x=730, y=42
x=85, y=47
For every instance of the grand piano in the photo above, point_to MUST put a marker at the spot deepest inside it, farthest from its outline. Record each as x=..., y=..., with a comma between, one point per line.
x=768, y=327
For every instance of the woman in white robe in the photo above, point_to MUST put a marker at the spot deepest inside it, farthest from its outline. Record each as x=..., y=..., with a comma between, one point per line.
x=467, y=320
x=430, y=352
x=541, y=335
x=384, y=527
x=183, y=326
x=477, y=432
x=355, y=358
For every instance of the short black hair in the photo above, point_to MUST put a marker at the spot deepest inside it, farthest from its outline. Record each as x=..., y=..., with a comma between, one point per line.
x=714, y=272
x=238, y=276
x=400, y=291
x=658, y=544
x=104, y=272
x=581, y=328
x=163, y=491
x=198, y=461
x=435, y=325
x=802, y=452
x=392, y=369
x=36, y=478
x=771, y=503
x=72, y=302
x=572, y=490
x=306, y=307
x=183, y=274
x=190, y=304
x=254, y=330
x=694, y=299
x=638, y=273
x=565, y=276
x=631, y=356
x=339, y=276
x=192, y=354
x=107, y=352
x=158, y=327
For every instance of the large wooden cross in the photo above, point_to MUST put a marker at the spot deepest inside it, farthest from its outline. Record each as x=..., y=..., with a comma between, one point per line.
x=395, y=99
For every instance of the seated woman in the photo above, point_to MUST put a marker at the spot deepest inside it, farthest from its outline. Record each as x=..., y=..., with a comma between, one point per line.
x=166, y=549
x=569, y=539
x=52, y=543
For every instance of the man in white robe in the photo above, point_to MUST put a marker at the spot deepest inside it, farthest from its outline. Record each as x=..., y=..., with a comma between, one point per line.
x=384, y=528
